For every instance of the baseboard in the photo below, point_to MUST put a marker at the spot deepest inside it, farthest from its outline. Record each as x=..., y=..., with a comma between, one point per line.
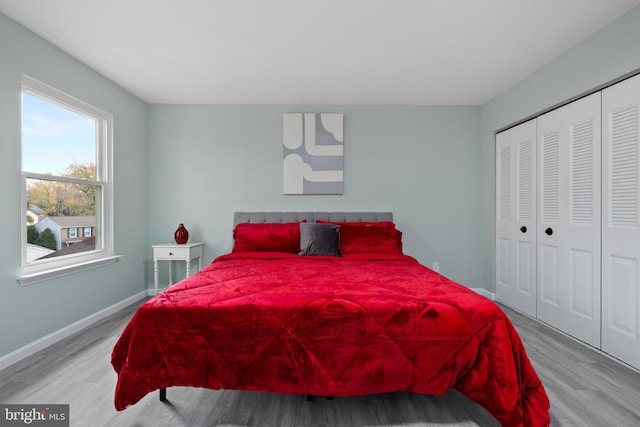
x=151, y=292
x=485, y=293
x=52, y=338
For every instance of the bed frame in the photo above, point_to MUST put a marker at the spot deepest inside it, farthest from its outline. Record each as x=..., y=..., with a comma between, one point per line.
x=282, y=217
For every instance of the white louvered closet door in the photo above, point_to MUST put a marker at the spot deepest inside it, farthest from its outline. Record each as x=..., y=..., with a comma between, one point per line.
x=621, y=225
x=568, y=231
x=515, y=217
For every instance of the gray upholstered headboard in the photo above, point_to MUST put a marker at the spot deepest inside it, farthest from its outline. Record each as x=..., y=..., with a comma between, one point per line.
x=240, y=217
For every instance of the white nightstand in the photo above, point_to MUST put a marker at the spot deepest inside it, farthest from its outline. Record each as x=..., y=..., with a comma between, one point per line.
x=175, y=252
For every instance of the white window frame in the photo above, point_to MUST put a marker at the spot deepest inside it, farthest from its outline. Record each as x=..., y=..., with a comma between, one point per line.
x=73, y=235
x=40, y=270
x=86, y=231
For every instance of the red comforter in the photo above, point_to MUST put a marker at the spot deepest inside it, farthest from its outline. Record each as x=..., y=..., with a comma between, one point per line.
x=329, y=326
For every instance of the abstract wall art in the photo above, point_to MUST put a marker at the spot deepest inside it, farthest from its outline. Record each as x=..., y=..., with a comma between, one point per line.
x=313, y=160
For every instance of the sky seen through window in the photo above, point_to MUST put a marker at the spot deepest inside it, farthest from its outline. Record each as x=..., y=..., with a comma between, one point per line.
x=54, y=137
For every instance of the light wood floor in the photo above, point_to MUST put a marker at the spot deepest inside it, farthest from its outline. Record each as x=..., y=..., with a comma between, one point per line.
x=585, y=388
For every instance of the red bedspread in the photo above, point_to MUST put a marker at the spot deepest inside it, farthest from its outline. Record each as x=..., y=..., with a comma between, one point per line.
x=329, y=326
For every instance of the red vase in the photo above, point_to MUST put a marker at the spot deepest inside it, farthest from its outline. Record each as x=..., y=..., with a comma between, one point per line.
x=181, y=235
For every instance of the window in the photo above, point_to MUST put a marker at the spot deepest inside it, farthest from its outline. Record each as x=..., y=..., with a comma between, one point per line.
x=66, y=146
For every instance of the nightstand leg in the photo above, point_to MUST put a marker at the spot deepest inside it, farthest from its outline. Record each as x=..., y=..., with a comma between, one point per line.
x=188, y=268
x=155, y=276
x=170, y=273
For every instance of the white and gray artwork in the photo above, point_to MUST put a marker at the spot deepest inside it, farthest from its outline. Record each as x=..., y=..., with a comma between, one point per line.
x=313, y=158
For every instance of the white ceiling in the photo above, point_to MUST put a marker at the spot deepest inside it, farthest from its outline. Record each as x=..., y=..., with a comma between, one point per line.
x=433, y=52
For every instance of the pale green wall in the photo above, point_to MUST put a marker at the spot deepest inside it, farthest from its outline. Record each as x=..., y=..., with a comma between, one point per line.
x=612, y=52
x=432, y=166
x=31, y=312
x=421, y=163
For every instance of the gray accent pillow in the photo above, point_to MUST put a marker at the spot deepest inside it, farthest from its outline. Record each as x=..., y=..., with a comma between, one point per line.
x=319, y=239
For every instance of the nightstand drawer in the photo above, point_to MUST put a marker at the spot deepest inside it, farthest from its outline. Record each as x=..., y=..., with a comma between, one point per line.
x=171, y=253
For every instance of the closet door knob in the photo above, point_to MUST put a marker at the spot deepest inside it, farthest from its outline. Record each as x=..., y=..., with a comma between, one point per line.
x=549, y=231
x=523, y=229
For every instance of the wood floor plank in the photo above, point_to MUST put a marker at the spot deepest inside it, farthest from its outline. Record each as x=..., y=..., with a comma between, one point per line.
x=585, y=387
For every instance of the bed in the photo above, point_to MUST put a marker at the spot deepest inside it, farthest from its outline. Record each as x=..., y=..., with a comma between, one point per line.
x=327, y=304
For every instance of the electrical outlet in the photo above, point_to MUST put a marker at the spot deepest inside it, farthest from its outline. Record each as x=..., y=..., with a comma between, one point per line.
x=435, y=266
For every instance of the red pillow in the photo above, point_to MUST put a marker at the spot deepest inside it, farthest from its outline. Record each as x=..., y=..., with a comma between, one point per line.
x=267, y=237
x=369, y=237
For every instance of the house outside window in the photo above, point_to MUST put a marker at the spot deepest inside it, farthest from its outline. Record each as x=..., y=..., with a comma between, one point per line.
x=66, y=164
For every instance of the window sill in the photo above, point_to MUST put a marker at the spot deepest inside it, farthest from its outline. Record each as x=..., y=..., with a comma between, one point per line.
x=29, y=279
